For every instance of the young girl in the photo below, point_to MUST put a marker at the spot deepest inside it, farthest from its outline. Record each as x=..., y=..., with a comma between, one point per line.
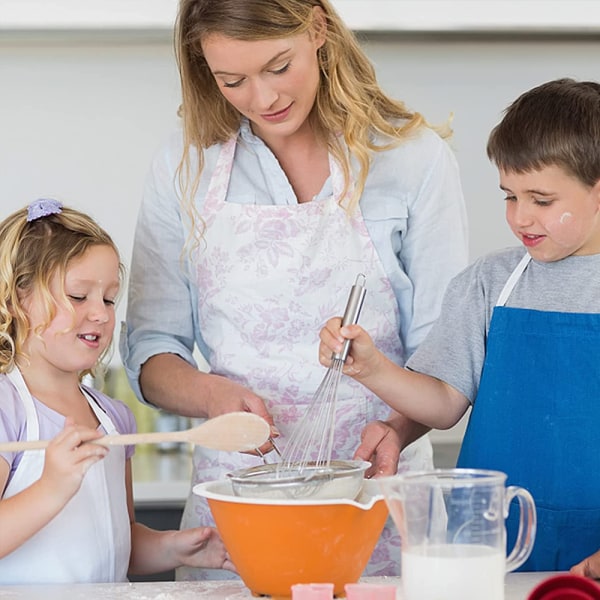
x=66, y=514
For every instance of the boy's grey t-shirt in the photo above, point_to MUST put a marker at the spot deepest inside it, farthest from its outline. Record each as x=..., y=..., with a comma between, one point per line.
x=454, y=350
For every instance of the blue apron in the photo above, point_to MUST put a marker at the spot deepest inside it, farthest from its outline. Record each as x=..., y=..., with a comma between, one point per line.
x=537, y=418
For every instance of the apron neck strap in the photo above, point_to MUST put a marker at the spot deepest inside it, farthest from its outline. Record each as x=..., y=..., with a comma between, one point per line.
x=512, y=280
x=219, y=182
x=33, y=426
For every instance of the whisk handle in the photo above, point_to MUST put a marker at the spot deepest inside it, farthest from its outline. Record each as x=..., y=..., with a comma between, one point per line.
x=352, y=312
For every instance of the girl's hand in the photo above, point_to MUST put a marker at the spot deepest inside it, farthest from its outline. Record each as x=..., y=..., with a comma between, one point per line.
x=363, y=356
x=201, y=547
x=68, y=458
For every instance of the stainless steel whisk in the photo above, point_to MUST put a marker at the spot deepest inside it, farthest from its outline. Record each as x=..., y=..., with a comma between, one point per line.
x=312, y=440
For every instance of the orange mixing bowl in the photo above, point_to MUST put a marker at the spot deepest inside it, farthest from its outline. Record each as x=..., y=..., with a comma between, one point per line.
x=276, y=543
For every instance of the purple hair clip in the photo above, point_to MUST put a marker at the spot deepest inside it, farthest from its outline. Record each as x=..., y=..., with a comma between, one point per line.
x=42, y=208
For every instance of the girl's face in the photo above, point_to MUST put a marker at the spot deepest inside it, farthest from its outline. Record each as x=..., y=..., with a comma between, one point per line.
x=82, y=329
x=552, y=213
x=271, y=82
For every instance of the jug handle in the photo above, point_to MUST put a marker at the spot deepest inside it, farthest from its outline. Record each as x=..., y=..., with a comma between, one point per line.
x=527, y=526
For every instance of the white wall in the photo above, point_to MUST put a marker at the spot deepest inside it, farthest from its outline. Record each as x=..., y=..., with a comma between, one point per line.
x=372, y=15
x=81, y=115
x=80, y=122
x=80, y=119
x=476, y=79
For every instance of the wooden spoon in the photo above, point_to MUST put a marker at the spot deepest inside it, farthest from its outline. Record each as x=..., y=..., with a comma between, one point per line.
x=232, y=432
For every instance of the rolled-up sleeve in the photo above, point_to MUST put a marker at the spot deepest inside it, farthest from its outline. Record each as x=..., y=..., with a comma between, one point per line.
x=161, y=306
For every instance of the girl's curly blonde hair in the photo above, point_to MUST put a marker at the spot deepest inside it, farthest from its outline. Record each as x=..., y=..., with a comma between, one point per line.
x=31, y=254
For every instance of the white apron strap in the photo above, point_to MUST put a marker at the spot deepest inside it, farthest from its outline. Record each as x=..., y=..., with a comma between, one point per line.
x=104, y=419
x=217, y=188
x=512, y=280
x=33, y=427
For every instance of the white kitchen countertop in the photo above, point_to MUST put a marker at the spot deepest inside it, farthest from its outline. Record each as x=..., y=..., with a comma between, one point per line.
x=518, y=586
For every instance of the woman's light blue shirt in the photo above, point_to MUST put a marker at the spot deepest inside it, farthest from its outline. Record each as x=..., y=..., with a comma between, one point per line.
x=412, y=205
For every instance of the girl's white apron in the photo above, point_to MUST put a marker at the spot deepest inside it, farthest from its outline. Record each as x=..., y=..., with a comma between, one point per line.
x=89, y=540
x=268, y=279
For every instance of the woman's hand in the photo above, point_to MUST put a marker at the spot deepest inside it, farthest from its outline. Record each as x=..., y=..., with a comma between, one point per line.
x=383, y=441
x=379, y=445
x=173, y=384
x=229, y=396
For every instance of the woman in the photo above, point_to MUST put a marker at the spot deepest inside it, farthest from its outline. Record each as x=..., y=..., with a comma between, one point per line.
x=293, y=173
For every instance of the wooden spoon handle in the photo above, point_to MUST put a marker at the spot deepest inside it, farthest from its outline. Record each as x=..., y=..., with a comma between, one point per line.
x=232, y=432
x=152, y=437
x=107, y=440
x=20, y=446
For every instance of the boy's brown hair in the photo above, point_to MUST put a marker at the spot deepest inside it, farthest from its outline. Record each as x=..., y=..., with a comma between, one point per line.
x=555, y=123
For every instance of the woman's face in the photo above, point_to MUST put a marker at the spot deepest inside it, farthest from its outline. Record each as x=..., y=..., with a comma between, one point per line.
x=271, y=82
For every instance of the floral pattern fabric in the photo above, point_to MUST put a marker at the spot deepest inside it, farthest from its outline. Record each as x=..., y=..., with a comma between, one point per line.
x=268, y=279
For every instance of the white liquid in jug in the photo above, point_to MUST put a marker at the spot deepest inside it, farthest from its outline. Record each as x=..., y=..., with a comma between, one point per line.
x=453, y=572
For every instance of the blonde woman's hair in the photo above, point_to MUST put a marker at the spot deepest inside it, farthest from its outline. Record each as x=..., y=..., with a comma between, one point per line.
x=349, y=100
x=31, y=254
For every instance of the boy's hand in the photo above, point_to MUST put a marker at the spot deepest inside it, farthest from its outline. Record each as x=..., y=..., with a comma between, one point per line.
x=363, y=356
x=589, y=567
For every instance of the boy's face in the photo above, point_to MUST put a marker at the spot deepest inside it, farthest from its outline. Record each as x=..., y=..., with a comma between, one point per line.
x=552, y=213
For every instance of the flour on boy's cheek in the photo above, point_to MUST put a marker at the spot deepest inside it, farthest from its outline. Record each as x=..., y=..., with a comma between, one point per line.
x=561, y=227
x=565, y=217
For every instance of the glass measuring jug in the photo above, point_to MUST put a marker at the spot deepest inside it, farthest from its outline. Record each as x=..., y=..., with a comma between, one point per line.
x=453, y=534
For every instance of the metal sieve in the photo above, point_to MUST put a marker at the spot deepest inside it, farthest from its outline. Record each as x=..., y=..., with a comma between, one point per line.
x=340, y=479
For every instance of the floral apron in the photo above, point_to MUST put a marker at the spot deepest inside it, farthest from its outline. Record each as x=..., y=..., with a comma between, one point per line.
x=268, y=279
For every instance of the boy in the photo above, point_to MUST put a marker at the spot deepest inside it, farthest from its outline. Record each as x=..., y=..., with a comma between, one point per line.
x=518, y=338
